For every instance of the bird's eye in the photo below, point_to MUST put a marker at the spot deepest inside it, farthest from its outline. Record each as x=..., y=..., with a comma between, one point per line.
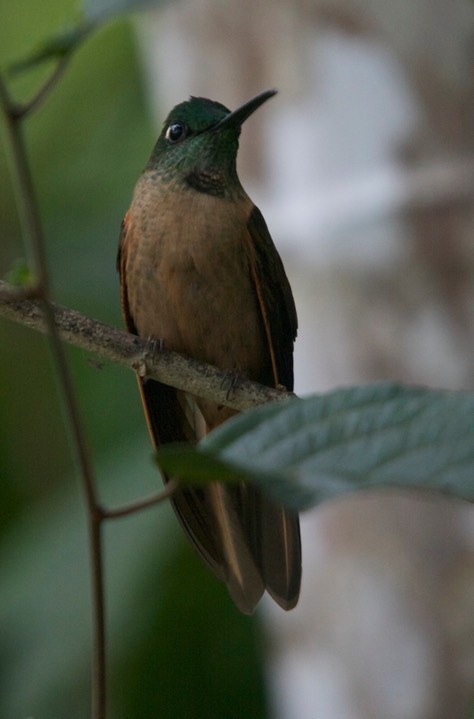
x=175, y=132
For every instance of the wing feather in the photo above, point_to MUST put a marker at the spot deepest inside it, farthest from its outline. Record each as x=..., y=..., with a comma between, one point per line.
x=276, y=539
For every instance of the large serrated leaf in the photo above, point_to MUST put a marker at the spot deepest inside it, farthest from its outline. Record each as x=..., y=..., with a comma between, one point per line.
x=309, y=450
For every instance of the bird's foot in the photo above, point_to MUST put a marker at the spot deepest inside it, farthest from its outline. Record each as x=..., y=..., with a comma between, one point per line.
x=231, y=381
x=152, y=347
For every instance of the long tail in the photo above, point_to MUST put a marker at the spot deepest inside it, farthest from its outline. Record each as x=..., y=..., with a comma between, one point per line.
x=248, y=541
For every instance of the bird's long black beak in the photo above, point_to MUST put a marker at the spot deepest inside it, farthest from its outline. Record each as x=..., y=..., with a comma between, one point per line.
x=238, y=117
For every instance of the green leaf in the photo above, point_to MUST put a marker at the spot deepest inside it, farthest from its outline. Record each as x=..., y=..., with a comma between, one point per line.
x=180, y=459
x=20, y=275
x=308, y=450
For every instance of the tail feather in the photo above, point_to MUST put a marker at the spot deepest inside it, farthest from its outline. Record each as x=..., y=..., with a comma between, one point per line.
x=243, y=579
x=280, y=553
x=248, y=541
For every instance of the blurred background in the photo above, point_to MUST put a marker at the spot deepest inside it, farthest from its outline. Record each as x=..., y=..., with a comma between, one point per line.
x=363, y=166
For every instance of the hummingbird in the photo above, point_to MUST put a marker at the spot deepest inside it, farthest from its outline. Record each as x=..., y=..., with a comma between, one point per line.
x=200, y=273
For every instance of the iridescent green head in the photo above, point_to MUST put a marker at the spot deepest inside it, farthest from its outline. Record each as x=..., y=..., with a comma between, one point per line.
x=199, y=143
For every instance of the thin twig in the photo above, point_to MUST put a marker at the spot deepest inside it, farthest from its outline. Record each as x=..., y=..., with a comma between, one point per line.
x=29, y=213
x=60, y=49
x=133, y=507
x=20, y=112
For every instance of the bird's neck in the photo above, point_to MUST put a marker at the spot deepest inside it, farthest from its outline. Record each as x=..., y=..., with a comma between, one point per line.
x=208, y=180
x=212, y=182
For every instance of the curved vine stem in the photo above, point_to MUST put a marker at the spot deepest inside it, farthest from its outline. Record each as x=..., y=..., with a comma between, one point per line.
x=20, y=112
x=32, y=228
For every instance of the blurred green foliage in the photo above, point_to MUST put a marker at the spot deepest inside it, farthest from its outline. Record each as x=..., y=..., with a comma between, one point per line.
x=178, y=647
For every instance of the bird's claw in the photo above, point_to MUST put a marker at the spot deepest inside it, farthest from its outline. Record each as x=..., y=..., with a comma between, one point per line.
x=230, y=382
x=152, y=347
